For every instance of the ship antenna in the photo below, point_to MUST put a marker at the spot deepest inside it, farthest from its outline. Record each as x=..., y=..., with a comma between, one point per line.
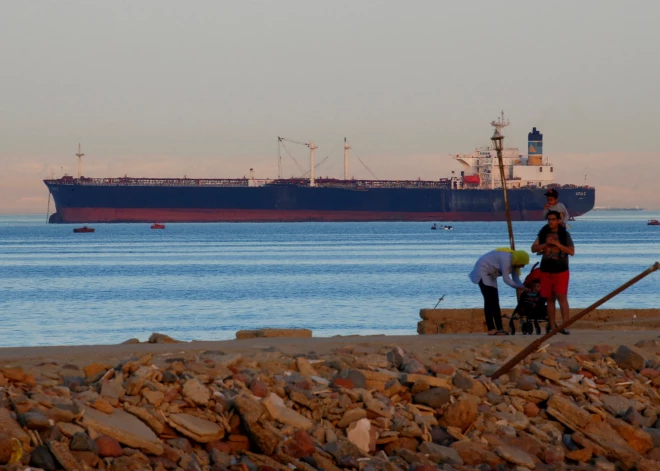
x=80, y=156
x=346, y=149
x=500, y=123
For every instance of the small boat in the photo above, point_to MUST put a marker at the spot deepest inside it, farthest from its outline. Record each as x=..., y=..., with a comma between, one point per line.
x=446, y=228
x=434, y=227
x=158, y=226
x=653, y=222
x=83, y=229
x=571, y=218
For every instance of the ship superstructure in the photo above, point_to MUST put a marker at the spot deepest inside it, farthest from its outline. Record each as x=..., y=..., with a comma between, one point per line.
x=481, y=167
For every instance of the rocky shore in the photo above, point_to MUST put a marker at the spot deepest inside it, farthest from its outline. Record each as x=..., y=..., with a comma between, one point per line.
x=352, y=404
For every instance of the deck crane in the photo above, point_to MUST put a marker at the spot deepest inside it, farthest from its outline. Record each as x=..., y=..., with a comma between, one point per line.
x=312, y=149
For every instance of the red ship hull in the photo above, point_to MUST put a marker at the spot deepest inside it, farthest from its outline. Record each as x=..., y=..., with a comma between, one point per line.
x=79, y=215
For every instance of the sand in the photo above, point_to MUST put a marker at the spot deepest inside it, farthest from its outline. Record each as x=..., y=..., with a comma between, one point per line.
x=424, y=346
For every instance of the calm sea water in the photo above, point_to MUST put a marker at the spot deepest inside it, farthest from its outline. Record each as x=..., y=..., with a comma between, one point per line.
x=206, y=281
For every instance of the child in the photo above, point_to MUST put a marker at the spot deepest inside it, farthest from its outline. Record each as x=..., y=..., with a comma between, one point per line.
x=555, y=205
x=531, y=307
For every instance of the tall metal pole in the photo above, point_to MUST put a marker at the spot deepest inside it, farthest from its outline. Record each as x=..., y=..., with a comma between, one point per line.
x=497, y=140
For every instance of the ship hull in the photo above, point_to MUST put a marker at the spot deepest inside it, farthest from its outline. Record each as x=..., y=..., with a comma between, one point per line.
x=77, y=203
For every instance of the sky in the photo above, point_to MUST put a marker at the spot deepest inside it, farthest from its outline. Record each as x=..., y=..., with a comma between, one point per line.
x=162, y=88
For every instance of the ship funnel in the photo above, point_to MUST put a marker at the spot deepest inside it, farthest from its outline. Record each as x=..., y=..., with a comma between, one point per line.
x=535, y=148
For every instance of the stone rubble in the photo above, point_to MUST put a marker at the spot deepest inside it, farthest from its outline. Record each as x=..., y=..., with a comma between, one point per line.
x=360, y=408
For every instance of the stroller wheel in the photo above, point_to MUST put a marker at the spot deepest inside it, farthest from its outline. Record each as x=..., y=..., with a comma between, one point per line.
x=526, y=328
x=537, y=326
x=512, y=327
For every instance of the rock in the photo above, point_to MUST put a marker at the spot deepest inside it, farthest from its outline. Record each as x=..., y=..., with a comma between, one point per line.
x=445, y=454
x=259, y=388
x=132, y=341
x=42, y=458
x=301, y=445
x=161, y=338
x=196, y=392
x=357, y=378
x=546, y=372
x=359, y=434
x=220, y=458
x=103, y=406
x=93, y=369
x=616, y=405
x=554, y=454
x=475, y=453
x=629, y=358
x=155, y=398
x=125, y=428
x=568, y=413
x=69, y=430
x=461, y=414
x=284, y=414
x=169, y=377
x=343, y=449
x=251, y=411
x=147, y=417
x=434, y=397
x=64, y=456
x=515, y=456
x=107, y=447
x=342, y=383
x=5, y=448
x=582, y=456
x=34, y=420
x=462, y=381
x=531, y=410
x=395, y=357
x=82, y=442
x=12, y=428
x=305, y=368
x=527, y=383
x=200, y=430
x=350, y=416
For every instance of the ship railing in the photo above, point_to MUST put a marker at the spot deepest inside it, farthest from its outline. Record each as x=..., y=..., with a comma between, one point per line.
x=173, y=182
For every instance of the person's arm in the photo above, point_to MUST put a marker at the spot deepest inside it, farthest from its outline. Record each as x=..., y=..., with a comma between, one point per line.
x=564, y=214
x=537, y=247
x=507, y=270
x=567, y=249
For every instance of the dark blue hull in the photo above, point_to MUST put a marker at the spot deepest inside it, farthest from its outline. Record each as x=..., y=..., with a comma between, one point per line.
x=90, y=203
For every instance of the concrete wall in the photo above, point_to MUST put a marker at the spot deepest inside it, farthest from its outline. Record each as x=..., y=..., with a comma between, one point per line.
x=450, y=321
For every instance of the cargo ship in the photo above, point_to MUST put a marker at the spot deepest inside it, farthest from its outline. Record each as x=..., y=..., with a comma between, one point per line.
x=474, y=194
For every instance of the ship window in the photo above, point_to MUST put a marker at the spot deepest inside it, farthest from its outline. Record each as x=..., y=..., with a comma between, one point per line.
x=551, y=169
x=540, y=169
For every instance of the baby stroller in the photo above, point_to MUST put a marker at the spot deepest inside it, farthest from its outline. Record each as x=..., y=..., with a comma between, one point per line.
x=531, y=310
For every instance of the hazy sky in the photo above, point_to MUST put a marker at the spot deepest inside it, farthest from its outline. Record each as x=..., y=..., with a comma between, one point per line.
x=203, y=88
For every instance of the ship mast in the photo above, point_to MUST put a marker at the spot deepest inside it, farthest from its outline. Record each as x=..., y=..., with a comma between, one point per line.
x=499, y=124
x=312, y=148
x=346, y=149
x=80, y=156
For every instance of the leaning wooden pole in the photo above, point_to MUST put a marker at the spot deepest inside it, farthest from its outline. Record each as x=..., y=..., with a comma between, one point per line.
x=531, y=348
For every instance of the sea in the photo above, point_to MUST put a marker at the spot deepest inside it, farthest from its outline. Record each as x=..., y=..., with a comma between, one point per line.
x=207, y=281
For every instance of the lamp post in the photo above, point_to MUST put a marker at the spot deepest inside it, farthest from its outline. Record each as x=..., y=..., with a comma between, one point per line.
x=497, y=143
